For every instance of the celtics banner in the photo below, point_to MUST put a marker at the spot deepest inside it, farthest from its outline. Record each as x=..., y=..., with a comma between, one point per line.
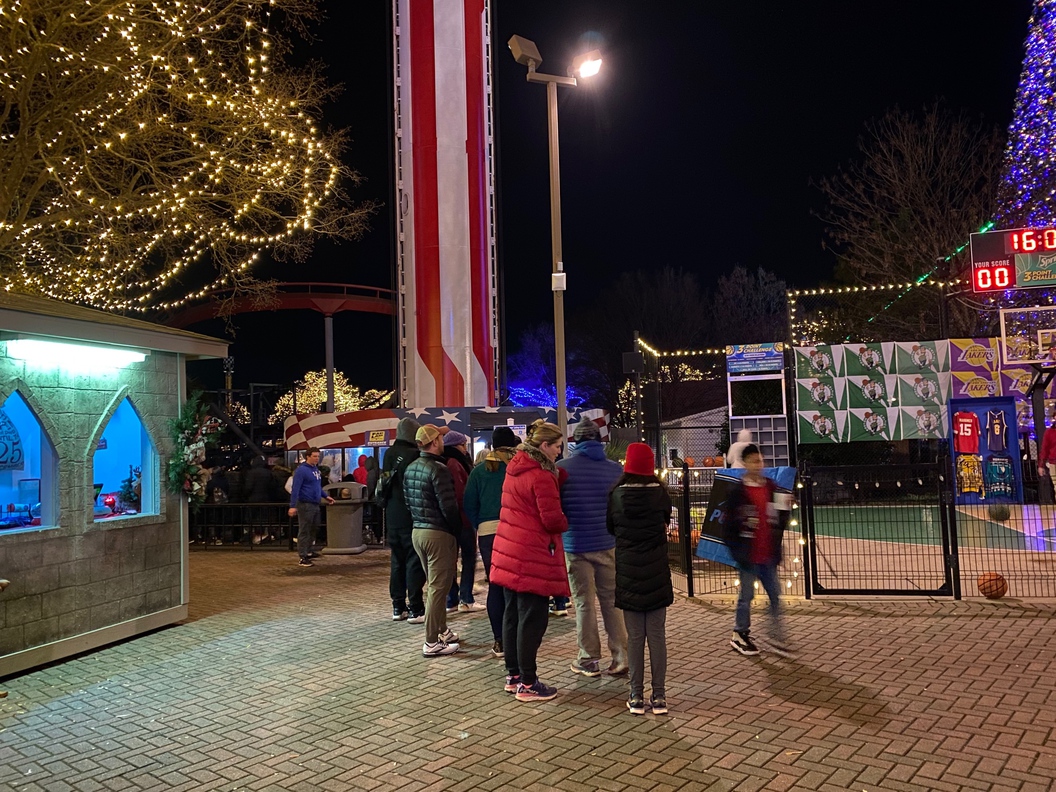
x=898, y=390
x=884, y=391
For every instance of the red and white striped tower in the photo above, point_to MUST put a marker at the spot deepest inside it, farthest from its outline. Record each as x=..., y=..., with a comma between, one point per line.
x=448, y=297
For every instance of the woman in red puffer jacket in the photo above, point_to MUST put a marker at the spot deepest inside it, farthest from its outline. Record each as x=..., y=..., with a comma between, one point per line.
x=528, y=559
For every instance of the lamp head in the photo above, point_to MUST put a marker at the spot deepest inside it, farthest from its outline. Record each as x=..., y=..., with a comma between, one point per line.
x=525, y=52
x=587, y=65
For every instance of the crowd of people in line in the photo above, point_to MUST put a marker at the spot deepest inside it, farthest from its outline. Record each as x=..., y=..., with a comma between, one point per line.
x=549, y=529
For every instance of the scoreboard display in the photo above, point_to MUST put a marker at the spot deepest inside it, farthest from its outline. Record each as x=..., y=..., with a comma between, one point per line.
x=1016, y=258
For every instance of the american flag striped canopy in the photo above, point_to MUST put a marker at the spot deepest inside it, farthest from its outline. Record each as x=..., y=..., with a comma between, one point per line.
x=351, y=429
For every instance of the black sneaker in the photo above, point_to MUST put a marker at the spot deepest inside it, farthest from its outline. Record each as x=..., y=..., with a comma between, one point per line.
x=305, y=562
x=513, y=681
x=496, y=649
x=743, y=644
x=416, y=618
x=636, y=705
x=398, y=613
x=658, y=704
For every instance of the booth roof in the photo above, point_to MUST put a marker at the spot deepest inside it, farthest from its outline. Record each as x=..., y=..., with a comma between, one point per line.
x=26, y=314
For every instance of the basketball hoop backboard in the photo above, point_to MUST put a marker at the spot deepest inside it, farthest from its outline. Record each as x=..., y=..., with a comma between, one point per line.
x=1028, y=336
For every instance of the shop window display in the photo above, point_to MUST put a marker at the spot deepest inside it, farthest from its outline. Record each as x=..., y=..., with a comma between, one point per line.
x=123, y=467
x=28, y=469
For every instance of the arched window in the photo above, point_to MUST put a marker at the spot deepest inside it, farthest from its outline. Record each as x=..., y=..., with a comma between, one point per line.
x=29, y=469
x=124, y=467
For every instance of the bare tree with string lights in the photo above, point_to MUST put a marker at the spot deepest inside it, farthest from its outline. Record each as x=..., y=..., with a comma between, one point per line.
x=152, y=150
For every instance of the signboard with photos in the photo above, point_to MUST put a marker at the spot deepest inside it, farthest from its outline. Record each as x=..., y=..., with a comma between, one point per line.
x=872, y=391
x=900, y=390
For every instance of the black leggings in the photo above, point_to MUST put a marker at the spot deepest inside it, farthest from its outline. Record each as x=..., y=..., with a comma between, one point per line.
x=523, y=627
x=496, y=593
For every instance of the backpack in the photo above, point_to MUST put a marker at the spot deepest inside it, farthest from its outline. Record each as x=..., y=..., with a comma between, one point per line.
x=386, y=482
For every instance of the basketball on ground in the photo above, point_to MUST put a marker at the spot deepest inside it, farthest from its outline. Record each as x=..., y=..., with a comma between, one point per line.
x=999, y=512
x=992, y=585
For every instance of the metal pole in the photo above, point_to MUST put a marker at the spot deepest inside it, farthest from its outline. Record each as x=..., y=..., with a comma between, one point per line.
x=638, y=392
x=685, y=530
x=558, y=278
x=328, y=325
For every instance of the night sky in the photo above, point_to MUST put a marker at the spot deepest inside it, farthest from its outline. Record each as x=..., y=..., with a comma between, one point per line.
x=695, y=147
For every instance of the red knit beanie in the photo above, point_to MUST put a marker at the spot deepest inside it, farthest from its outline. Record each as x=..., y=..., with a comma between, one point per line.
x=639, y=460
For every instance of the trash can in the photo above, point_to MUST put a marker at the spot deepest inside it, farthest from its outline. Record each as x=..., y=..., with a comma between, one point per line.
x=344, y=519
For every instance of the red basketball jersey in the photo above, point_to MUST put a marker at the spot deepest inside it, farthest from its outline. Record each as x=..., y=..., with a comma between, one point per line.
x=966, y=433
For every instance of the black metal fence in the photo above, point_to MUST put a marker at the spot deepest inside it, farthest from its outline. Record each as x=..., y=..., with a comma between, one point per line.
x=690, y=490
x=881, y=530
x=264, y=526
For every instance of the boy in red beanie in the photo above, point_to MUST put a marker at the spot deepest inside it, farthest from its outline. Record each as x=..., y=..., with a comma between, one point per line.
x=638, y=514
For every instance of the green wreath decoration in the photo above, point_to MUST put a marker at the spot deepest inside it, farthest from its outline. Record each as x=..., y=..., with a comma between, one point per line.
x=192, y=433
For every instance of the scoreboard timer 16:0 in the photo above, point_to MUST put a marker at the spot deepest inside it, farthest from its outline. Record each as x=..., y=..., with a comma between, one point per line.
x=1016, y=258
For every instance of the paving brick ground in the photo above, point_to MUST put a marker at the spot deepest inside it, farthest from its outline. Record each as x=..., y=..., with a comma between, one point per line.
x=296, y=679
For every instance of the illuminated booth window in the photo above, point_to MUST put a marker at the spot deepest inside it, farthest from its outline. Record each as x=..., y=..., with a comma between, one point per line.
x=29, y=469
x=124, y=467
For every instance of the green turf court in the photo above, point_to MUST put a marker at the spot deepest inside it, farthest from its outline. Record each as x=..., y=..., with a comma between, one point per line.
x=920, y=524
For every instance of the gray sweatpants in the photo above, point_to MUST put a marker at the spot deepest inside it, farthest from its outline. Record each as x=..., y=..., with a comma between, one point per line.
x=642, y=626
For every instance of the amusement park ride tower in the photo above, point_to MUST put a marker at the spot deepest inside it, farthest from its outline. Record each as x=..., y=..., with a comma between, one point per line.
x=447, y=292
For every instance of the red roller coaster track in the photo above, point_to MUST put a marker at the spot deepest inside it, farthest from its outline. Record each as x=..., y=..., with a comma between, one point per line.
x=326, y=298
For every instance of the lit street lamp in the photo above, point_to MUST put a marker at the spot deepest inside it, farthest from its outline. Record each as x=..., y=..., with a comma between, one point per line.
x=587, y=65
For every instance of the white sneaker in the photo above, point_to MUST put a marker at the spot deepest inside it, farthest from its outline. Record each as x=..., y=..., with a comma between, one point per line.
x=416, y=618
x=447, y=636
x=439, y=648
x=471, y=607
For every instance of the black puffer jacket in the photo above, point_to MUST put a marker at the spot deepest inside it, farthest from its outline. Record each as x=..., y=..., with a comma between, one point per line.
x=397, y=517
x=638, y=515
x=429, y=492
x=259, y=483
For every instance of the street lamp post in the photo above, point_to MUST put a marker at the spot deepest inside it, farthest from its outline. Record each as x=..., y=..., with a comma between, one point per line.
x=526, y=53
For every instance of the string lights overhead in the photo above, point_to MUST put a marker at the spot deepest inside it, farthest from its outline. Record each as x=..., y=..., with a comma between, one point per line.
x=142, y=140
x=656, y=353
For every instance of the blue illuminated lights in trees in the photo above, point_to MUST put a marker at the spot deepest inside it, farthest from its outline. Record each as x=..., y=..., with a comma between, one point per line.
x=1027, y=194
x=544, y=396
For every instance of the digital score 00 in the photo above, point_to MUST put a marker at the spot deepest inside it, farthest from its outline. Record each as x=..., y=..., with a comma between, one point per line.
x=1016, y=258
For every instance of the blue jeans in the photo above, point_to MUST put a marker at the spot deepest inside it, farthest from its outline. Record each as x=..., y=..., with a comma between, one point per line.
x=462, y=590
x=766, y=574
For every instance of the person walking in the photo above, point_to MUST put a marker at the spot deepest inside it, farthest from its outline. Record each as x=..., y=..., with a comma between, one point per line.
x=528, y=556
x=590, y=553
x=482, y=504
x=306, y=496
x=460, y=597
x=756, y=514
x=406, y=575
x=638, y=514
x=435, y=520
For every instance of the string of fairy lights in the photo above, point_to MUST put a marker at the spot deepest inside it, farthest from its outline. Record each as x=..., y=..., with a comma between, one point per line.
x=171, y=143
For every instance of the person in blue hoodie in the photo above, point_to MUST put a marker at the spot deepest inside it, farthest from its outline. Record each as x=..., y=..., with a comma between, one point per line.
x=590, y=554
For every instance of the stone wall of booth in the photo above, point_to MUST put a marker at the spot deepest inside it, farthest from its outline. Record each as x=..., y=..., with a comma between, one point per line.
x=82, y=575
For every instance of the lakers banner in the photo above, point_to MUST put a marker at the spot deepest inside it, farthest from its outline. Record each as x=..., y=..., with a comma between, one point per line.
x=711, y=545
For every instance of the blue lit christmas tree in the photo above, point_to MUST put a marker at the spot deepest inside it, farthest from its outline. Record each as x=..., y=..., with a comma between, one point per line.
x=1027, y=196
